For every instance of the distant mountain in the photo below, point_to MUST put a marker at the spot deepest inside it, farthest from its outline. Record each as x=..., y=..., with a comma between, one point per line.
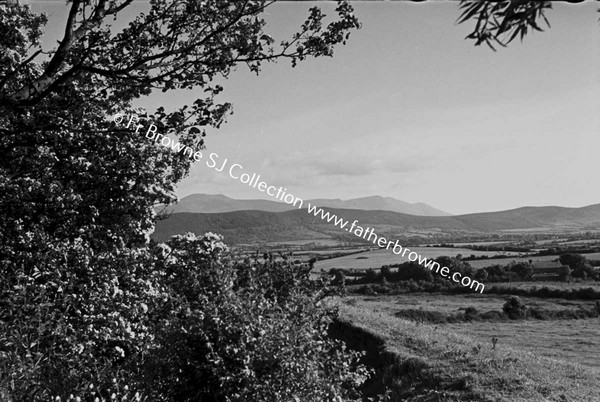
x=378, y=203
x=261, y=226
x=218, y=203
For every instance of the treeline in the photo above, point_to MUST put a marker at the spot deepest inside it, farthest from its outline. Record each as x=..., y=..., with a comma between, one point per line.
x=493, y=247
x=413, y=286
x=513, y=309
x=574, y=266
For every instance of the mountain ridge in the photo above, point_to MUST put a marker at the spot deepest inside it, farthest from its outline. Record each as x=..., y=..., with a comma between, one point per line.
x=219, y=203
x=261, y=226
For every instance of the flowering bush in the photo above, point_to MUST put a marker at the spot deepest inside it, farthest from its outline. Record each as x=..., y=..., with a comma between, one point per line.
x=178, y=321
x=246, y=331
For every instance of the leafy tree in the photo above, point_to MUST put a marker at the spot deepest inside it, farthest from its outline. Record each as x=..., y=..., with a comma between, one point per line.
x=579, y=265
x=413, y=270
x=456, y=265
x=565, y=274
x=514, y=308
x=78, y=289
x=524, y=269
x=481, y=275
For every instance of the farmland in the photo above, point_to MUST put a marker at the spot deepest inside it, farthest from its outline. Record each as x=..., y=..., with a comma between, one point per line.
x=504, y=261
x=378, y=258
x=574, y=341
x=459, y=362
x=570, y=340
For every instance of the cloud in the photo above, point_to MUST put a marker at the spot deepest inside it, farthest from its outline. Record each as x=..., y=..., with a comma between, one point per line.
x=344, y=163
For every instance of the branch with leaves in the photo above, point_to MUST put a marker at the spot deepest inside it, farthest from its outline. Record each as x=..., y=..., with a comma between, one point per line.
x=502, y=21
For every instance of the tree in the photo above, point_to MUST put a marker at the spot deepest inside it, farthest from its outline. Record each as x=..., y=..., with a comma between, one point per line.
x=524, y=269
x=565, y=274
x=78, y=292
x=578, y=264
x=481, y=275
x=514, y=308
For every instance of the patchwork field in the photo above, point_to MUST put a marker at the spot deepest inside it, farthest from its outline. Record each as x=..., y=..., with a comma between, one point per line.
x=377, y=258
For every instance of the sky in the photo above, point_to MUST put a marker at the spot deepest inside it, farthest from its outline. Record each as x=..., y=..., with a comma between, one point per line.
x=410, y=109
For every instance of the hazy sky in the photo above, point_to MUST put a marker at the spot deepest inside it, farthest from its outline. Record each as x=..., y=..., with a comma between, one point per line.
x=411, y=110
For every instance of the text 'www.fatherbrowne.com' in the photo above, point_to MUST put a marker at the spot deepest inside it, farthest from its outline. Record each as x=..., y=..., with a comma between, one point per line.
x=252, y=179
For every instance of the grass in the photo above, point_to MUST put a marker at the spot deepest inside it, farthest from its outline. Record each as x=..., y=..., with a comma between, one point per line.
x=505, y=261
x=449, y=304
x=572, y=340
x=549, y=285
x=443, y=358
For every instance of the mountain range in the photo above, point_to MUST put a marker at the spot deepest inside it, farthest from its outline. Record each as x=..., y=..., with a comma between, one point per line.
x=254, y=226
x=218, y=203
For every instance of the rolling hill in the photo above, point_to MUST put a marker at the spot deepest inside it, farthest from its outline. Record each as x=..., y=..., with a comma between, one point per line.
x=218, y=203
x=261, y=226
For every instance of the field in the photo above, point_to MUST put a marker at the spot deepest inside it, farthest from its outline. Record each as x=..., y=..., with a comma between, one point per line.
x=505, y=261
x=450, y=304
x=550, y=285
x=457, y=362
x=574, y=341
x=378, y=258
x=571, y=340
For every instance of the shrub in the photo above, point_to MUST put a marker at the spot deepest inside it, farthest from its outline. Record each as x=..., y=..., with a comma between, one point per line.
x=178, y=321
x=514, y=308
x=246, y=331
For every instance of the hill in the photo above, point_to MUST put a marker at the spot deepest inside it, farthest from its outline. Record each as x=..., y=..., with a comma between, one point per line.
x=260, y=226
x=378, y=203
x=218, y=203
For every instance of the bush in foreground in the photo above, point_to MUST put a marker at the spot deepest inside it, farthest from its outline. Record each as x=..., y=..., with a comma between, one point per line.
x=174, y=322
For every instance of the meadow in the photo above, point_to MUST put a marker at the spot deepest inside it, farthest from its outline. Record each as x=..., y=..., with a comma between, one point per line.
x=453, y=304
x=550, y=352
x=505, y=261
x=573, y=341
x=457, y=362
x=378, y=258
x=577, y=284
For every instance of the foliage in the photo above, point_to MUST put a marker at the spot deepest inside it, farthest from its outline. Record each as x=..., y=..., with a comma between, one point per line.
x=514, y=308
x=580, y=267
x=524, y=269
x=247, y=331
x=178, y=317
x=500, y=22
x=70, y=317
x=84, y=297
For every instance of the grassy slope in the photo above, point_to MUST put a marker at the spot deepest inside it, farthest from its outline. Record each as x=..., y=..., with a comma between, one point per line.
x=445, y=359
